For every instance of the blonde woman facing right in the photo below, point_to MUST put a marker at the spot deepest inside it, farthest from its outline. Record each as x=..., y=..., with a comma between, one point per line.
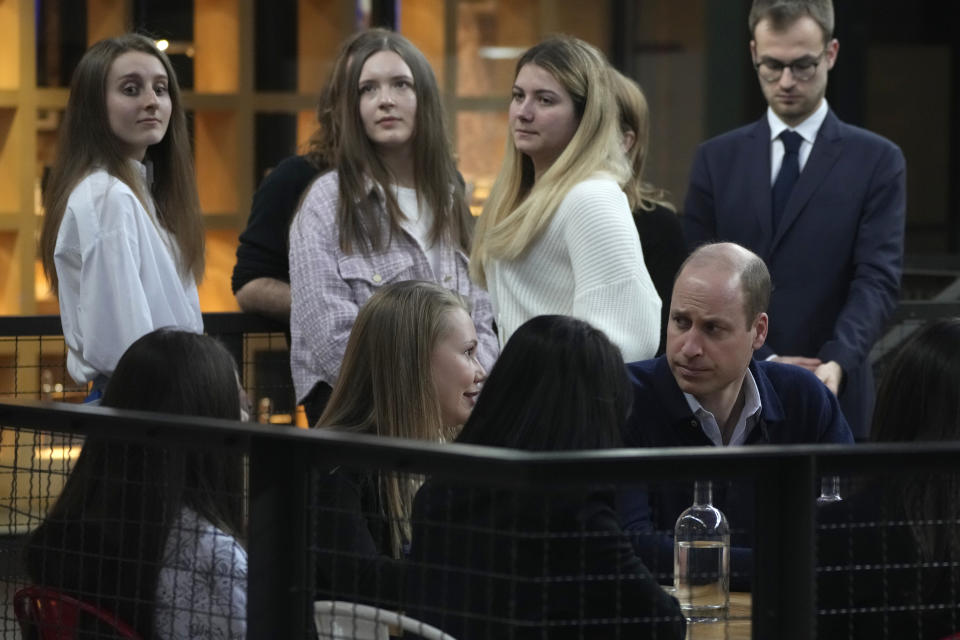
x=410, y=370
x=556, y=235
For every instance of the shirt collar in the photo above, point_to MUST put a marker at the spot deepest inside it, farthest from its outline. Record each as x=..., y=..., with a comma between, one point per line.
x=746, y=419
x=807, y=129
x=144, y=170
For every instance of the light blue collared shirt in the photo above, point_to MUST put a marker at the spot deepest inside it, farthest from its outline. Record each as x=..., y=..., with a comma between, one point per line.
x=745, y=423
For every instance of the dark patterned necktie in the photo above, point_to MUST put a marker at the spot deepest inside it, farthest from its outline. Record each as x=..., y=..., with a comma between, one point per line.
x=789, y=172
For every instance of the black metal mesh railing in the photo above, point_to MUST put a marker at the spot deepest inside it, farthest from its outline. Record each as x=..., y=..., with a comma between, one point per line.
x=33, y=362
x=503, y=543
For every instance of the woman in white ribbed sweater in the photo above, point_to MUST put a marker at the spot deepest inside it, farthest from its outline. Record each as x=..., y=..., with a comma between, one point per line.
x=556, y=235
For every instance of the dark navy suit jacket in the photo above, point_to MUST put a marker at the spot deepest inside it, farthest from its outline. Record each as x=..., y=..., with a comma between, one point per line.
x=796, y=408
x=836, y=257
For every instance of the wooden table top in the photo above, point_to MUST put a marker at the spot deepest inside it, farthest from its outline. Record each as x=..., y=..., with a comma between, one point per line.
x=735, y=627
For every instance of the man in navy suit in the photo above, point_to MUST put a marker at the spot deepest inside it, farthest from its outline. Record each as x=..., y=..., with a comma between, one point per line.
x=822, y=202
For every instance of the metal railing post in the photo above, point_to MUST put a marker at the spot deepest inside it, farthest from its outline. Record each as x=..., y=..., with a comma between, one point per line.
x=280, y=601
x=784, y=560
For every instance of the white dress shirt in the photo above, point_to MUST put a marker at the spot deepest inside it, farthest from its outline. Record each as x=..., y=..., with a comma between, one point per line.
x=807, y=129
x=745, y=422
x=119, y=276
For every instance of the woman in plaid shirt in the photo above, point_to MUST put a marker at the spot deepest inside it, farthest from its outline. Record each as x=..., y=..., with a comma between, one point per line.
x=392, y=210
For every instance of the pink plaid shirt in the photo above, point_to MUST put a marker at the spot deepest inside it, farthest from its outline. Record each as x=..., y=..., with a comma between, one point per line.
x=328, y=287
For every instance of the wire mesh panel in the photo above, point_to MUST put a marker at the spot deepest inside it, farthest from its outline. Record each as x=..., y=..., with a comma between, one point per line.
x=483, y=562
x=887, y=563
x=649, y=513
x=117, y=539
x=351, y=534
x=35, y=367
x=33, y=362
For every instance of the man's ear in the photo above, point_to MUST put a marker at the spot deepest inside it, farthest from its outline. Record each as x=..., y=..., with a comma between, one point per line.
x=833, y=47
x=753, y=51
x=760, y=330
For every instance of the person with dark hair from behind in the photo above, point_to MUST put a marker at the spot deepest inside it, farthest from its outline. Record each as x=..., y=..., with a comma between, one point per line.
x=154, y=535
x=410, y=371
x=656, y=218
x=538, y=563
x=709, y=391
x=261, y=276
x=900, y=572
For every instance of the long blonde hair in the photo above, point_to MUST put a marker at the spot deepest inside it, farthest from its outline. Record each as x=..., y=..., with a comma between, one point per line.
x=87, y=142
x=385, y=386
x=520, y=208
x=635, y=117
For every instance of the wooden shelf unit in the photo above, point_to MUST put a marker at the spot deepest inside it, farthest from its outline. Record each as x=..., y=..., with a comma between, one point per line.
x=225, y=105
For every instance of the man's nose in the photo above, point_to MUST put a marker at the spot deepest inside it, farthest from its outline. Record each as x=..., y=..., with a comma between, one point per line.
x=786, y=77
x=691, y=345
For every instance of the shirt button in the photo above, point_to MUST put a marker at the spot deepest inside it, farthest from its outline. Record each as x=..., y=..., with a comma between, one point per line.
x=377, y=277
x=694, y=423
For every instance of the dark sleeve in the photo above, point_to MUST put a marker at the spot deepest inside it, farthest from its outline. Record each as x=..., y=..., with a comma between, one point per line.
x=833, y=427
x=877, y=264
x=664, y=250
x=812, y=410
x=352, y=563
x=653, y=544
x=639, y=594
x=699, y=215
x=263, y=249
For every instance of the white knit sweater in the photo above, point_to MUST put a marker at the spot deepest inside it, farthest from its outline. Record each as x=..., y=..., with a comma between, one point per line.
x=587, y=264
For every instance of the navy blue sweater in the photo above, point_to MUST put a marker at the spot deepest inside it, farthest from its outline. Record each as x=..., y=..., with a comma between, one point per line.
x=796, y=408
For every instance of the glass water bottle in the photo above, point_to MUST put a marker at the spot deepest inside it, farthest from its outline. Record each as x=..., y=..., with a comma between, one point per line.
x=701, y=558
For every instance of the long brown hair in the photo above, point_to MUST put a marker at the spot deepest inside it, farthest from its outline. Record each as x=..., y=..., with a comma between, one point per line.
x=87, y=143
x=386, y=386
x=322, y=146
x=438, y=185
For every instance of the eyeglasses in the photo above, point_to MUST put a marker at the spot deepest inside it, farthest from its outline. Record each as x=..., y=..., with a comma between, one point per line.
x=802, y=70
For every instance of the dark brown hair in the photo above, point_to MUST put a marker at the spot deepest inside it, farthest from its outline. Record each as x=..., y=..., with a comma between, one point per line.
x=86, y=143
x=322, y=147
x=438, y=185
x=783, y=13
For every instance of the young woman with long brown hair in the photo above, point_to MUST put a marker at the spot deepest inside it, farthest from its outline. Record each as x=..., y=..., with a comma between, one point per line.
x=261, y=276
x=393, y=209
x=122, y=240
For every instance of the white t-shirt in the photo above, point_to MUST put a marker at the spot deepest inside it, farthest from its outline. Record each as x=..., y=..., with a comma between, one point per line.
x=118, y=276
x=419, y=220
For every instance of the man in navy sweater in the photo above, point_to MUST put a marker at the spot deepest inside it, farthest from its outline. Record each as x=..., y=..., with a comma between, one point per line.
x=707, y=390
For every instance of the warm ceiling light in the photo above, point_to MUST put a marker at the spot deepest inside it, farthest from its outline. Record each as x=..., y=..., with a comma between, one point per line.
x=501, y=53
x=163, y=44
